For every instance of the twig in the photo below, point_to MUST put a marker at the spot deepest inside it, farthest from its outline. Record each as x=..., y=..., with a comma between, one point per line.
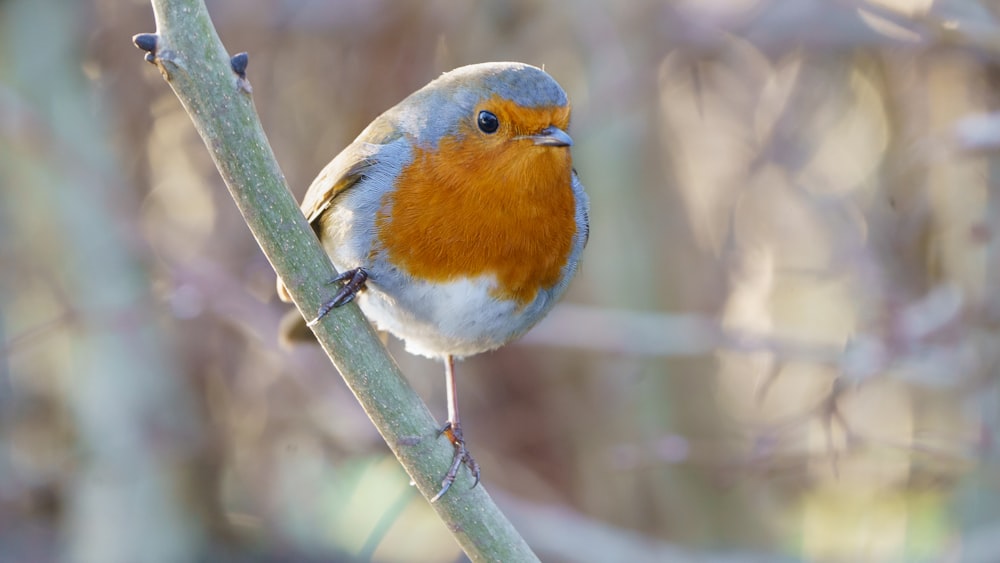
x=216, y=93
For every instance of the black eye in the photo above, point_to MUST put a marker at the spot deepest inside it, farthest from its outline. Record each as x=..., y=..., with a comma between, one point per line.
x=488, y=123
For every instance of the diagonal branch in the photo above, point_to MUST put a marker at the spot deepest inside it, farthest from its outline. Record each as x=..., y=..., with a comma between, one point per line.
x=217, y=96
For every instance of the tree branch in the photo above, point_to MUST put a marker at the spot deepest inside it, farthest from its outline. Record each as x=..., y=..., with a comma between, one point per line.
x=216, y=95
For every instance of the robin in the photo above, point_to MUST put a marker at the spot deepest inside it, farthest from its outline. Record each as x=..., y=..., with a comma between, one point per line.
x=456, y=218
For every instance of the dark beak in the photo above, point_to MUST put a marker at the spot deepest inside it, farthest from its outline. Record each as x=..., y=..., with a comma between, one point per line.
x=552, y=136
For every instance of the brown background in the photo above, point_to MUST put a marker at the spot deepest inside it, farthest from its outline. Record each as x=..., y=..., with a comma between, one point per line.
x=782, y=342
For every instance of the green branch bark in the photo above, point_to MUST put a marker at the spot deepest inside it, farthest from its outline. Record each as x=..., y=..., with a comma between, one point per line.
x=192, y=59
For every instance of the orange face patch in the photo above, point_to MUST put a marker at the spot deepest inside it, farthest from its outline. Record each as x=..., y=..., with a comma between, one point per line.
x=486, y=204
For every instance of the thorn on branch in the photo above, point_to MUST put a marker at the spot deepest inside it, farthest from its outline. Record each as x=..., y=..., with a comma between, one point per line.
x=147, y=42
x=239, y=63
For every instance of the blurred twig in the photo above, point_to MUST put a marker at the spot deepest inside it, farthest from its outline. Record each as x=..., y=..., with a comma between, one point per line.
x=549, y=525
x=133, y=423
x=194, y=62
x=982, y=39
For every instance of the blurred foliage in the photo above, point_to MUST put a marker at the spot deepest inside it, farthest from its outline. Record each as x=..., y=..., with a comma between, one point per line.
x=782, y=344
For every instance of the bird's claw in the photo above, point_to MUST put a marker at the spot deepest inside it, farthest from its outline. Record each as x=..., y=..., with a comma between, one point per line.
x=355, y=279
x=462, y=456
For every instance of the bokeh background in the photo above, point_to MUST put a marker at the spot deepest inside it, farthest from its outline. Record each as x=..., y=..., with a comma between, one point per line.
x=782, y=345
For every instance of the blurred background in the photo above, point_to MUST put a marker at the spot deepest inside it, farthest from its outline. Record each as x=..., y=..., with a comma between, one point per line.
x=782, y=345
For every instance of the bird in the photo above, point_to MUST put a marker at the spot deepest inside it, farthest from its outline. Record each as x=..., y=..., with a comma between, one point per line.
x=456, y=219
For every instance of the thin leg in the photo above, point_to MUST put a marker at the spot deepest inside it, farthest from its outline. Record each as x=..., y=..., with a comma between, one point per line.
x=453, y=429
x=355, y=279
x=451, y=389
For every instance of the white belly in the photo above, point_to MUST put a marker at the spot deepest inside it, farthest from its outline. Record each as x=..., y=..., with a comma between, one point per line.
x=458, y=318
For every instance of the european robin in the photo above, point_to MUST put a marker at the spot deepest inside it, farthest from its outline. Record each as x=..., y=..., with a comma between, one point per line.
x=456, y=217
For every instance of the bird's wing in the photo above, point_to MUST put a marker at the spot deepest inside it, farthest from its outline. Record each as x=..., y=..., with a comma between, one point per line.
x=344, y=171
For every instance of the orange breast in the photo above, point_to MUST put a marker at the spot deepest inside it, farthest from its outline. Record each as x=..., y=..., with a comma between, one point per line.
x=480, y=206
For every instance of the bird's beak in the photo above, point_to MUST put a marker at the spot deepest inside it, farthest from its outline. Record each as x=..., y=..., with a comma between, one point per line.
x=552, y=136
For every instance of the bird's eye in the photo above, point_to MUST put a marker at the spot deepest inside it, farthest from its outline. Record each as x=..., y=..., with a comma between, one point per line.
x=488, y=123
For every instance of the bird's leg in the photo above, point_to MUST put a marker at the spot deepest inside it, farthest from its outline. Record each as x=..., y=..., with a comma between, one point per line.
x=453, y=429
x=355, y=279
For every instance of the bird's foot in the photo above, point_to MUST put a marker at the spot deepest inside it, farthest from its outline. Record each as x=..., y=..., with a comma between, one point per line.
x=355, y=281
x=462, y=456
